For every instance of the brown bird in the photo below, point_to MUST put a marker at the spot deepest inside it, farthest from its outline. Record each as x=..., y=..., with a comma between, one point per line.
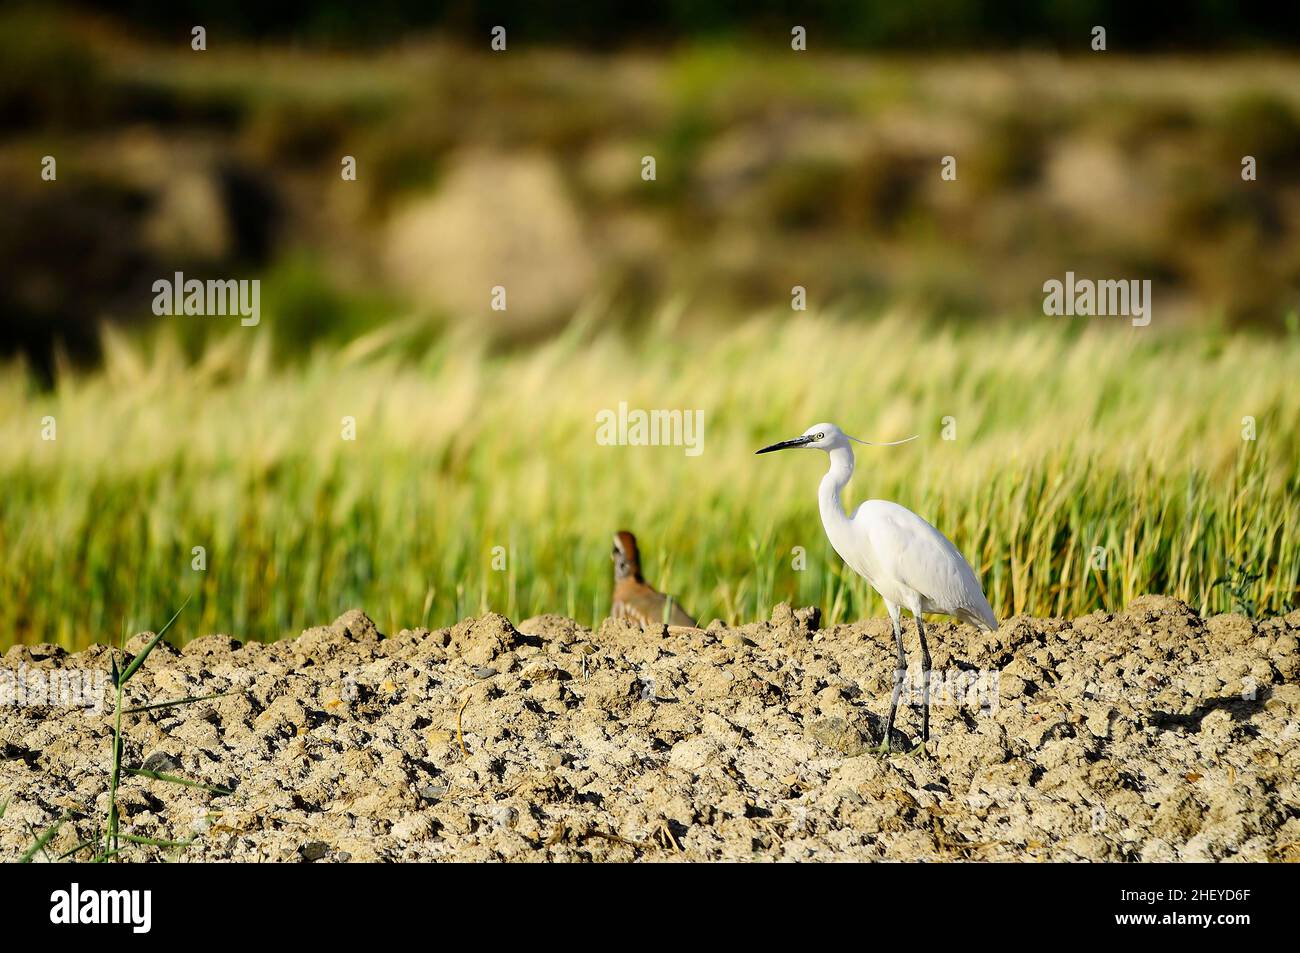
x=634, y=598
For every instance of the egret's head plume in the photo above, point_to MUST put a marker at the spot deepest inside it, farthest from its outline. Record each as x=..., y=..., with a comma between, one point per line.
x=826, y=436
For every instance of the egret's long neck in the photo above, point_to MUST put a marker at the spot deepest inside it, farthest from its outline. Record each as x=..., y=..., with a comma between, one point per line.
x=828, y=494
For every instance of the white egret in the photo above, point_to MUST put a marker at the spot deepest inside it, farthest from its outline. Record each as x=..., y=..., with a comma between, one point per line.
x=910, y=563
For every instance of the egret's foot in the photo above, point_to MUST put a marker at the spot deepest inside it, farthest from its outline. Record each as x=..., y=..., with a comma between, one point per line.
x=921, y=750
x=884, y=749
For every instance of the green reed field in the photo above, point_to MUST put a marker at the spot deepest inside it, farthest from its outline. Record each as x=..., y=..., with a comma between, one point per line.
x=1068, y=437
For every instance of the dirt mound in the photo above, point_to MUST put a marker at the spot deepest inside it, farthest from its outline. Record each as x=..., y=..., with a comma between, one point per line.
x=1147, y=735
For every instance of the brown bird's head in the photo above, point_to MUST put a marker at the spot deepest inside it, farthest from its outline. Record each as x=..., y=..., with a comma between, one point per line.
x=627, y=559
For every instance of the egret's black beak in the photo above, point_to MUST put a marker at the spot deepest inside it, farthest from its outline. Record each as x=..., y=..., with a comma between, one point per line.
x=786, y=444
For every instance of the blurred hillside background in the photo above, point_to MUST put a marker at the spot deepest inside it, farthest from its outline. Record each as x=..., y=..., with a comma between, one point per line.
x=774, y=168
x=523, y=169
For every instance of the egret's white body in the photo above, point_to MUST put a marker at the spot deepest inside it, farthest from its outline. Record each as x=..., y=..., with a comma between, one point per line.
x=910, y=563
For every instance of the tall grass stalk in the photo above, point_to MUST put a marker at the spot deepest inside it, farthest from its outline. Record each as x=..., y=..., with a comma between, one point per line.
x=1092, y=463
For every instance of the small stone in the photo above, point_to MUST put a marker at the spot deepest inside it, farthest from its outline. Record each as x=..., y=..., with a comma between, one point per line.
x=808, y=618
x=839, y=734
x=693, y=753
x=1011, y=685
x=433, y=792
x=542, y=670
x=414, y=827
x=484, y=671
x=1098, y=722
x=161, y=763
x=314, y=850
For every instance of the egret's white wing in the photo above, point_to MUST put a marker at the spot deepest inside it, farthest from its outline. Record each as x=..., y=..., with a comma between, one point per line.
x=907, y=550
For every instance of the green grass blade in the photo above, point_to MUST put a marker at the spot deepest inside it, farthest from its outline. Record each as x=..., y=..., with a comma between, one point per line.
x=172, y=779
x=144, y=653
x=80, y=847
x=154, y=842
x=41, y=841
x=115, y=772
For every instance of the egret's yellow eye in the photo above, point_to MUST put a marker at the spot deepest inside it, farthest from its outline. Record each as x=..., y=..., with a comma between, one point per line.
x=821, y=436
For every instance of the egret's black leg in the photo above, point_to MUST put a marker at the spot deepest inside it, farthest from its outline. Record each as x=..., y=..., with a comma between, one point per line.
x=925, y=682
x=900, y=673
